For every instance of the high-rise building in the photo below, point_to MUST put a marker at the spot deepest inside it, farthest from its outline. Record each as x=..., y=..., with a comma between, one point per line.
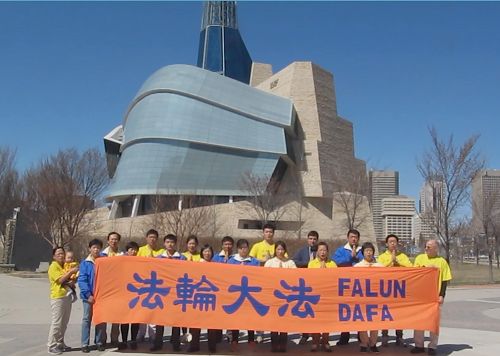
x=398, y=213
x=383, y=184
x=486, y=199
x=430, y=211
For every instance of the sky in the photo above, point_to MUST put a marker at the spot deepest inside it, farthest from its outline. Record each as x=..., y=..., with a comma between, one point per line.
x=68, y=70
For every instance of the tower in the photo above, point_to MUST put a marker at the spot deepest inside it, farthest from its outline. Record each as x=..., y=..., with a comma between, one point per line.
x=221, y=47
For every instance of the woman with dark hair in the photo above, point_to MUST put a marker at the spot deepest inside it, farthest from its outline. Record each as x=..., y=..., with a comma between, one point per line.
x=207, y=253
x=60, y=302
x=192, y=253
x=279, y=339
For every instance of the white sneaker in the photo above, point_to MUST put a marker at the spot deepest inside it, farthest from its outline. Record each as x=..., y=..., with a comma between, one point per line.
x=55, y=351
x=186, y=338
x=259, y=339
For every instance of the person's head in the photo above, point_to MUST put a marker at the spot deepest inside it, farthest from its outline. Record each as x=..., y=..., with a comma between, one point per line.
x=95, y=247
x=170, y=243
x=207, y=252
x=322, y=252
x=391, y=241
x=431, y=248
x=227, y=244
x=312, y=238
x=58, y=254
x=242, y=247
x=353, y=237
x=368, y=251
x=113, y=240
x=192, y=244
x=132, y=248
x=69, y=257
x=152, y=238
x=268, y=233
x=280, y=249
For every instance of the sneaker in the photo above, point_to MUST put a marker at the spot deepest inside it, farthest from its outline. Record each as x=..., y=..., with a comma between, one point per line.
x=186, y=338
x=303, y=340
x=66, y=348
x=259, y=339
x=374, y=349
x=55, y=351
x=431, y=352
x=85, y=349
x=363, y=349
x=101, y=347
x=417, y=350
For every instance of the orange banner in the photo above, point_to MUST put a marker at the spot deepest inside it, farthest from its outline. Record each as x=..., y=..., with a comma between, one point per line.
x=221, y=296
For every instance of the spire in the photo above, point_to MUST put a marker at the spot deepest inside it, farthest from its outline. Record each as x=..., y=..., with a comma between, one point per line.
x=221, y=48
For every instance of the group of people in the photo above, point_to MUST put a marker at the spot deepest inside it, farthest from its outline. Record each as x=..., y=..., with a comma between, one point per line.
x=64, y=274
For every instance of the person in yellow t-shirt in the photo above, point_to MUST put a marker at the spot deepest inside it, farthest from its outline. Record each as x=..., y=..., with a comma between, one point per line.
x=151, y=248
x=264, y=250
x=392, y=257
x=432, y=259
x=60, y=302
x=69, y=263
x=321, y=261
x=191, y=252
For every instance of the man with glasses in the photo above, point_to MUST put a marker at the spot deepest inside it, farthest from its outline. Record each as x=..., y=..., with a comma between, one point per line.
x=431, y=259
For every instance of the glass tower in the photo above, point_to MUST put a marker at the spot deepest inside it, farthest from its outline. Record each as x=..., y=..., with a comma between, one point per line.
x=221, y=48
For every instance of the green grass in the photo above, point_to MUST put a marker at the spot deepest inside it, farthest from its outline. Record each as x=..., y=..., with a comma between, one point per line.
x=470, y=273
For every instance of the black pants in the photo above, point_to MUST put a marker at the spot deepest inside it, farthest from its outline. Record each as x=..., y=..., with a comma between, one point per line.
x=399, y=333
x=175, y=339
x=212, y=339
x=134, y=329
x=278, y=341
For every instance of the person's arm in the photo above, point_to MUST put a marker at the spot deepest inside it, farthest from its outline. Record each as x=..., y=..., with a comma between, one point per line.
x=404, y=261
x=299, y=258
x=442, y=291
x=342, y=257
x=83, y=282
x=66, y=276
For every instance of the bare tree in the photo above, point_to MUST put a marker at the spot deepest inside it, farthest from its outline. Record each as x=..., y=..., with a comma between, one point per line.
x=10, y=192
x=184, y=215
x=351, y=196
x=61, y=190
x=266, y=198
x=454, y=167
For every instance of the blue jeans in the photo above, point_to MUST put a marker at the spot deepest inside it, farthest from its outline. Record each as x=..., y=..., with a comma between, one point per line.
x=100, y=329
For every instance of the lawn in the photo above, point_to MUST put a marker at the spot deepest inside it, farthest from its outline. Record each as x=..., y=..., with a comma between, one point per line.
x=470, y=273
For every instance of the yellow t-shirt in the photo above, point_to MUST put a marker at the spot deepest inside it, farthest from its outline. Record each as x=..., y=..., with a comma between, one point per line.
x=316, y=263
x=68, y=266
x=386, y=259
x=192, y=257
x=146, y=251
x=56, y=271
x=423, y=260
x=262, y=251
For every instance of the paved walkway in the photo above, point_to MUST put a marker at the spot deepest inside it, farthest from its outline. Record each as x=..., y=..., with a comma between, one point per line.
x=470, y=325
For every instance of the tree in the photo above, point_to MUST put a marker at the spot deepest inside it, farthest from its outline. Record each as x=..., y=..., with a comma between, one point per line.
x=454, y=167
x=60, y=191
x=10, y=191
x=184, y=215
x=351, y=191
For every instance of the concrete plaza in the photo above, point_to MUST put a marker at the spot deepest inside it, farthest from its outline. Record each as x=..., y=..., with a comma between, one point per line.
x=470, y=324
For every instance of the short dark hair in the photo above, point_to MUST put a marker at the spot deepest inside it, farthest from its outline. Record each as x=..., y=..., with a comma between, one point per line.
x=391, y=235
x=57, y=248
x=206, y=247
x=367, y=245
x=95, y=242
x=279, y=243
x=313, y=233
x=170, y=237
x=114, y=233
x=323, y=243
x=227, y=239
x=192, y=237
x=268, y=226
x=353, y=231
x=241, y=242
x=152, y=232
x=132, y=244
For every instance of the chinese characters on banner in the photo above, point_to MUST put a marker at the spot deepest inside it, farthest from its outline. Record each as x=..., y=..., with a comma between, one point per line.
x=220, y=296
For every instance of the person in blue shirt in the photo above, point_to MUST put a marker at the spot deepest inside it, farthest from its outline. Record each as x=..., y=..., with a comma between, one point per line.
x=347, y=256
x=86, y=279
x=227, y=250
x=242, y=258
